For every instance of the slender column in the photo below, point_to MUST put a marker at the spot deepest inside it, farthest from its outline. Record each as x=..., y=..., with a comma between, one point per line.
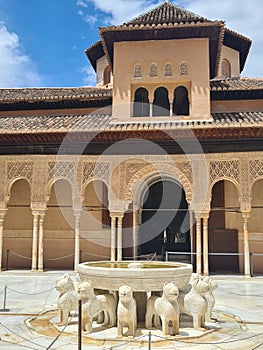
x=191, y=222
x=246, y=245
x=151, y=109
x=113, y=238
x=119, y=246
x=34, y=241
x=198, y=246
x=41, y=242
x=2, y=215
x=205, y=245
x=134, y=230
x=77, y=240
x=171, y=108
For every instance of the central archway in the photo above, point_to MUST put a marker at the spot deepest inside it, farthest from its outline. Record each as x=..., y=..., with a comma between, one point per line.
x=165, y=224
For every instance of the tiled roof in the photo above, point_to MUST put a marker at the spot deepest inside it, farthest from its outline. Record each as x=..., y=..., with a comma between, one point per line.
x=236, y=84
x=53, y=94
x=166, y=13
x=98, y=123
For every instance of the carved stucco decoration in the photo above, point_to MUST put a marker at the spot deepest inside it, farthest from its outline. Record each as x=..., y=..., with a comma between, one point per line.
x=145, y=171
x=225, y=170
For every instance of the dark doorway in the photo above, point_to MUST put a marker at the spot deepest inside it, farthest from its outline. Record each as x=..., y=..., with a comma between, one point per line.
x=141, y=107
x=165, y=220
x=161, y=105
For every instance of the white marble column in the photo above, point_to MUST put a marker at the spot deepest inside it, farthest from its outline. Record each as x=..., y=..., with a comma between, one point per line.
x=171, y=108
x=113, y=238
x=135, y=230
x=119, y=245
x=205, y=246
x=151, y=109
x=198, y=246
x=245, y=217
x=41, y=242
x=2, y=215
x=34, y=241
x=77, y=239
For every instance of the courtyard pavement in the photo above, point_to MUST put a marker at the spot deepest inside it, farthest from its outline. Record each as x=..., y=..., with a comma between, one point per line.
x=29, y=312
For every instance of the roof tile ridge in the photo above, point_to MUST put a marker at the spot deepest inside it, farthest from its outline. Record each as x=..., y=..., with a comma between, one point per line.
x=239, y=35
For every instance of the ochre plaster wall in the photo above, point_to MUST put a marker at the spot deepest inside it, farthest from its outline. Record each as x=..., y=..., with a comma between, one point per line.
x=236, y=106
x=193, y=52
x=232, y=56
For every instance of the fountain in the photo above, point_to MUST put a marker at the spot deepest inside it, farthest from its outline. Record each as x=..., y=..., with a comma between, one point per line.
x=142, y=276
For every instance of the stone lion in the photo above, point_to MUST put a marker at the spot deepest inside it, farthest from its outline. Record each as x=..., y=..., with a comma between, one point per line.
x=126, y=311
x=195, y=303
x=166, y=307
x=210, y=298
x=93, y=305
x=68, y=299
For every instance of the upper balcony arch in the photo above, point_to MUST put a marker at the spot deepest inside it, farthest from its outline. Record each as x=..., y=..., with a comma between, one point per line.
x=181, y=101
x=141, y=107
x=161, y=105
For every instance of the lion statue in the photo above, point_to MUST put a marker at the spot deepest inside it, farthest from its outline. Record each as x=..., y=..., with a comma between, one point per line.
x=93, y=305
x=126, y=311
x=195, y=303
x=166, y=307
x=68, y=299
x=209, y=296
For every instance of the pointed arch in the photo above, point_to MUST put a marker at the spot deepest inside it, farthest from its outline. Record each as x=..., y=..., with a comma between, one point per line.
x=161, y=105
x=181, y=101
x=141, y=107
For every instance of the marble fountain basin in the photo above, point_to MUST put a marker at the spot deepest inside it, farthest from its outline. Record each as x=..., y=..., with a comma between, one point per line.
x=142, y=276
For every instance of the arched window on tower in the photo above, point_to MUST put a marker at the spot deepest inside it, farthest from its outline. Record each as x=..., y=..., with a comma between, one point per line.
x=153, y=70
x=226, y=68
x=181, y=101
x=106, y=75
x=161, y=105
x=141, y=107
x=137, y=71
x=168, y=70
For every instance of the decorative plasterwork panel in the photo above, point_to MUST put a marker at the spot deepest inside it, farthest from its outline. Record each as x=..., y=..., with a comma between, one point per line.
x=225, y=170
x=20, y=169
x=95, y=171
x=256, y=169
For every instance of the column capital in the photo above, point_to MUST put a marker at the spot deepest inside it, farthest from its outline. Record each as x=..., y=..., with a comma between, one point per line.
x=3, y=213
x=116, y=214
x=245, y=215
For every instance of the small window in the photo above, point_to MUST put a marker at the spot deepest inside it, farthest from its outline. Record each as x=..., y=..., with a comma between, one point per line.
x=183, y=69
x=226, y=69
x=153, y=70
x=106, y=75
x=168, y=70
x=181, y=101
x=141, y=107
x=137, y=71
x=161, y=105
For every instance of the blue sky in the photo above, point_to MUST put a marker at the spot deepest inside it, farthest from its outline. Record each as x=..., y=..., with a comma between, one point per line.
x=42, y=42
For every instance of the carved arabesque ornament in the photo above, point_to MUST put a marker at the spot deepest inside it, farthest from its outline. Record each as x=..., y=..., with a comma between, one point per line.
x=225, y=170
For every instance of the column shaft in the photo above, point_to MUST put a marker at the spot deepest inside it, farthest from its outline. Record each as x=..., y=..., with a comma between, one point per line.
x=41, y=243
x=34, y=242
x=113, y=238
x=77, y=241
x=198, y=246
x=119, y=246
x=205, y=246
x=246, y=247
x=1, y=241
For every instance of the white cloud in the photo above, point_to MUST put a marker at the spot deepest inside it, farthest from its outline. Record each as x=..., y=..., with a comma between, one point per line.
x=243, y=17
x=16, y=68
x=120, y=11
x=89, y=78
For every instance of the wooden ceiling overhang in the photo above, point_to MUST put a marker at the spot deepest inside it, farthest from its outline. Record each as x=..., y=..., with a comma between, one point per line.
x=224, y=139
x=214, y=31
